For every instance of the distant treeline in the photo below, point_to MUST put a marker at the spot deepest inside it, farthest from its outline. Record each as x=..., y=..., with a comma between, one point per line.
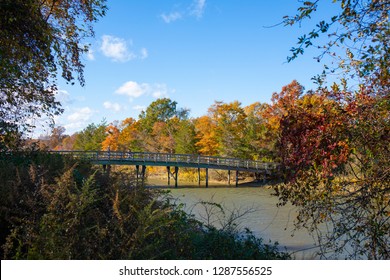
x=228, y=129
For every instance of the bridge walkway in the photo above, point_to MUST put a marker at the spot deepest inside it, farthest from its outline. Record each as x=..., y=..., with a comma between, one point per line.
x=108, y=158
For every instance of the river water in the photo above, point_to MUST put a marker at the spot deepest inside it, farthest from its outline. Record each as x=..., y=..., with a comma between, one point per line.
x=262, y=217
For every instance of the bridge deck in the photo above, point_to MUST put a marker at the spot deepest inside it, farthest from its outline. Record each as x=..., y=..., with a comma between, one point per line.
x=163, y=159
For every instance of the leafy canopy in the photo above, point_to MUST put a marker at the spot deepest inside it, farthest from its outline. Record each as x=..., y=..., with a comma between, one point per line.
x=38, y=41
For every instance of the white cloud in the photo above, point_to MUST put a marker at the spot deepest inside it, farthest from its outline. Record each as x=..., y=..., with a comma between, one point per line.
x=171, y=17
x=144, y=53
x=116, y=49
x=197, y=8
x=134, y=90
x=77, y=120
x=112, y=106
x=81, y=115
x=90, y=54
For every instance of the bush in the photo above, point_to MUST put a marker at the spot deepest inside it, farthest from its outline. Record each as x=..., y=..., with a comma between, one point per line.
x=54, y=208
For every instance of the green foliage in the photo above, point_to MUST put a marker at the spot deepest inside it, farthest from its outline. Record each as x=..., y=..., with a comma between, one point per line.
x=227, y=245
x=91, y=138
x=358, y=37
x=75, y=212
x=259, y=142
x=39, y=40
x=185, y=138
x=161, y=110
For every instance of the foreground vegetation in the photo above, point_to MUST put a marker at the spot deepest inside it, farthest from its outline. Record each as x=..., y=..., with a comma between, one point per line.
x=56, y=208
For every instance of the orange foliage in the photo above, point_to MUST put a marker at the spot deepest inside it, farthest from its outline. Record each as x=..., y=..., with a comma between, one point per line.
x=111, y=141
x=281, y=103
x=128, y=136
x=206, y=137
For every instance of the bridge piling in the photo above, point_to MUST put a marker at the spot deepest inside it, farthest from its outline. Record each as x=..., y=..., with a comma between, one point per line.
x=169, y=175
x=176, y=174
x=107, y=168
x=143, y=174
x=207, y=177
x=137, y=172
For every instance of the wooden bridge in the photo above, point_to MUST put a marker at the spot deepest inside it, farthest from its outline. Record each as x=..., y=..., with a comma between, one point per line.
x=108, y=158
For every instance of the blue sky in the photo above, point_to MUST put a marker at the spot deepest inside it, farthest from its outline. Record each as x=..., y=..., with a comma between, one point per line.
x=192, y=51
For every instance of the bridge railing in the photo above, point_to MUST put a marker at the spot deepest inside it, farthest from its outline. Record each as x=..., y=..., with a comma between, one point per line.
x=211, y=161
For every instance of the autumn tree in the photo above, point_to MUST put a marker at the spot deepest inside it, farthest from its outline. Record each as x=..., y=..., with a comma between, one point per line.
x=56, y=137
x=281, y=102
x=206, y=139
x=40, y=40
x=334, y=141
x=230, y=123
x=129, y=136
x=259, y=144
x=67, y=143
x=112, y=136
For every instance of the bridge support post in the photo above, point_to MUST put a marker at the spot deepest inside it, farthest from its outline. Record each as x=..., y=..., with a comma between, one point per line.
x=137, y=173
x=143, y=171
x=207, y=177
x=106, y=168
x=198, y=176
x=176, y=174
x=236, y=178
x=169, y=175
x=229, y=177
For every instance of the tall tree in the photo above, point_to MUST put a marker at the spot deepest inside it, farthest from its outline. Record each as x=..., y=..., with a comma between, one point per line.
x=112, y=136
x=258, y=144
x=335, y=141
x=129, y=137
x=56, y=137
x=158, y=125
x=38, y=41
x=206, y=139
x=91, y=138
x=185, y=137
x=230, y=127
x=161, y=110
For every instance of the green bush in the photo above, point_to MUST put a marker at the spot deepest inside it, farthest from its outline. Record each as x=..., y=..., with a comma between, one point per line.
x=55, y=208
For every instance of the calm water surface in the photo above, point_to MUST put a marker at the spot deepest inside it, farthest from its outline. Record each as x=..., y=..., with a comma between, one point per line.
x=264, y=219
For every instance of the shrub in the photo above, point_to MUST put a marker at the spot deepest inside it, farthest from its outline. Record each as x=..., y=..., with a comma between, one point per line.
x=57, y=209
